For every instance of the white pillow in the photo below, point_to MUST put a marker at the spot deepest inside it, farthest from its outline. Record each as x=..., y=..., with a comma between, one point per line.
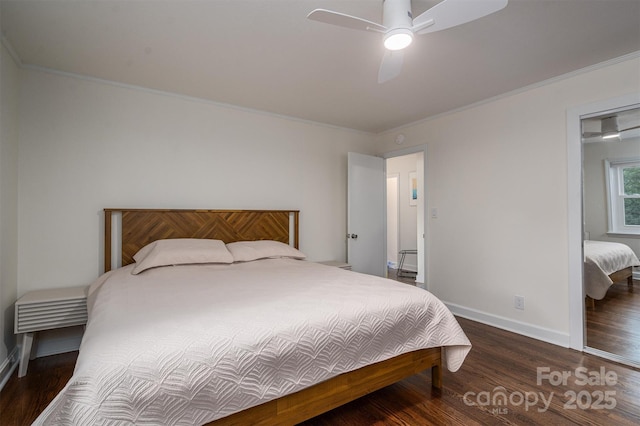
x=244, y=251
x=180, y=251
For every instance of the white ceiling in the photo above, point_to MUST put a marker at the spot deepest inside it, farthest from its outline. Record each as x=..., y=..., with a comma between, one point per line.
x=265, y=55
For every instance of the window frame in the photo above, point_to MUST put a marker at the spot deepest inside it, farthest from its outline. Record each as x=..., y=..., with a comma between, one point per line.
x=616, y=196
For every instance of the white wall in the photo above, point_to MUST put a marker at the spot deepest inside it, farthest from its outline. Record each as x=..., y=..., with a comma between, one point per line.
x=595, y=192
x=497, y=173
x=9, y=85
x=86, y=145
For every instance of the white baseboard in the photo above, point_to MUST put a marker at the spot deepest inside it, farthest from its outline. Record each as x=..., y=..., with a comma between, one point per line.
x=525, y=329
x=405, y=267
x=8, y=366
x=50, y=342
x=410, y=267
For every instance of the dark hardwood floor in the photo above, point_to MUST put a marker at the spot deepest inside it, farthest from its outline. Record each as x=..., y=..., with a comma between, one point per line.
x=500, y=363
x=614, y=325
x=23, y=399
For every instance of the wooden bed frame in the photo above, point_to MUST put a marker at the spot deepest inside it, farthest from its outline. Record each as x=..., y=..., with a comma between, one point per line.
x=625, y=274
x=139, y=227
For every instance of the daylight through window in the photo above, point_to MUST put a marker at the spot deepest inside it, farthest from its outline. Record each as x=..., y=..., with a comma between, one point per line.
x=624, y=195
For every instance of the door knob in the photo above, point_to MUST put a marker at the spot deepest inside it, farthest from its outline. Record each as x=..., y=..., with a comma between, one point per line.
x=354, y=236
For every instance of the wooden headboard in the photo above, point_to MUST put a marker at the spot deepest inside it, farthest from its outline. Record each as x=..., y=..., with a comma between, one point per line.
x=140, y=227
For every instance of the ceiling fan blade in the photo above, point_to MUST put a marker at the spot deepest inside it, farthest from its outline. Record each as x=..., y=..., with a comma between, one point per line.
x=629, y=128
x=391, y=65
x=450, y=13
x=343, y=20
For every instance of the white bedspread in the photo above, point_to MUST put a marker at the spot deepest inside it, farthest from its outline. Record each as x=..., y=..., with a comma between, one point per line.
x=190, y=344
x=601, y=259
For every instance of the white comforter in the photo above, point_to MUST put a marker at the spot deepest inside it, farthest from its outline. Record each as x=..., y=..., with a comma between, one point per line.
x=190, y=344
x=601, y=259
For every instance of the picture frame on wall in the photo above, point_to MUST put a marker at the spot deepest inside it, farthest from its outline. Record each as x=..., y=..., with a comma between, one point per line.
x=413, y=189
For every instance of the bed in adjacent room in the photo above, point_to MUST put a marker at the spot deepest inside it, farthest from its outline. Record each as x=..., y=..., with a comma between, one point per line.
x=216, y=317
x=606, y=263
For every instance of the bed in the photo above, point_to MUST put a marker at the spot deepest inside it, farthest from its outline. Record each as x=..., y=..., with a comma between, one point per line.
x=257, y=340
x=606, y=263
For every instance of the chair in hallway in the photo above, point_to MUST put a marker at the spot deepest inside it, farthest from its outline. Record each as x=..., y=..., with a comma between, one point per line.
x=401, y=272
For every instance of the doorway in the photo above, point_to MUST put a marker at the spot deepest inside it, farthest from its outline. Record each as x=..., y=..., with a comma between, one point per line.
x=611, y=222
x=406, y=208
x=588, y=221
x=402, y=218
x=367, y=215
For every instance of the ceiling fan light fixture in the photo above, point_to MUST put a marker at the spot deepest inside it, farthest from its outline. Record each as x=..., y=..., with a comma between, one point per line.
x=608, y=136
x=399, y=25
x=398, y=39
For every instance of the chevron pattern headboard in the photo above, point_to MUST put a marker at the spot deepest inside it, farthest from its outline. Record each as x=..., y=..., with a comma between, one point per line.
x=142, y=226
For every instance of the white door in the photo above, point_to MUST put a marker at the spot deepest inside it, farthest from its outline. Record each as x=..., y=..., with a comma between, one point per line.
x=365, y=214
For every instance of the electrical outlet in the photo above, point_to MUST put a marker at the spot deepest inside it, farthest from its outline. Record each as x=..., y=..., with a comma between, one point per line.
x=518, y=302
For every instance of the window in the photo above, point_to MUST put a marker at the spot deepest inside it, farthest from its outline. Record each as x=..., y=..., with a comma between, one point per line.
x=623, y=187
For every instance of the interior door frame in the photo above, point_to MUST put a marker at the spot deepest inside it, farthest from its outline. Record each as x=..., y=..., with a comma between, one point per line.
x=396, y=201
x=575, y=225
x=422, y=200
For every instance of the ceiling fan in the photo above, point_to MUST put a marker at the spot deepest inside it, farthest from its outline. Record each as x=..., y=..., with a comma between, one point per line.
x=399, y=27
x=608, y=129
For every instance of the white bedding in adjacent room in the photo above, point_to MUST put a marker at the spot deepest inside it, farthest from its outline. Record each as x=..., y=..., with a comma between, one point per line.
x=189, y=344
x=601, y=259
